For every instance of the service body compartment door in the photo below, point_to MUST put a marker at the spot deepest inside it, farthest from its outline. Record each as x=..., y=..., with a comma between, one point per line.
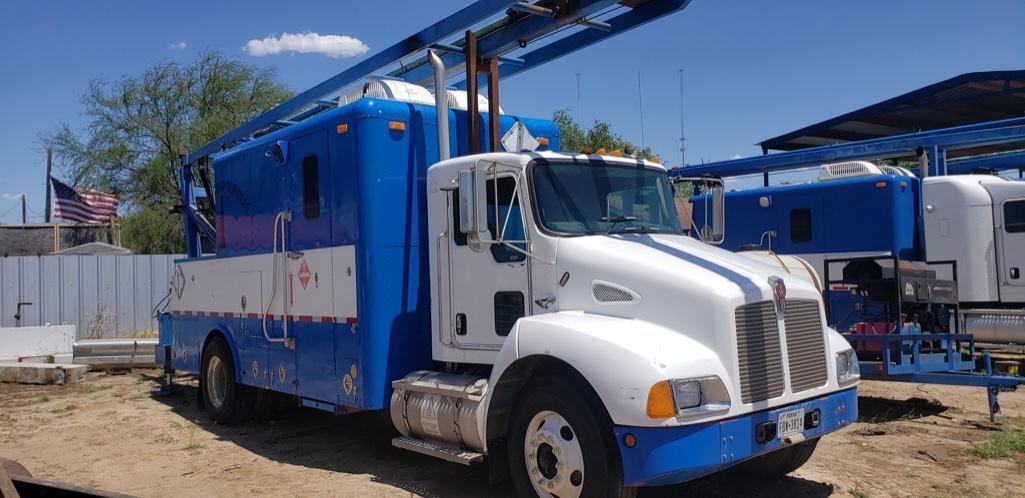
x=253, y=350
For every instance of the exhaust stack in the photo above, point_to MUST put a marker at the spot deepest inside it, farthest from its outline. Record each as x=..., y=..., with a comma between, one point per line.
x=440, y=104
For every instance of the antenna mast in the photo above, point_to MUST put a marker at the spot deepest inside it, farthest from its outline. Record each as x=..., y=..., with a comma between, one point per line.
x=683, y=140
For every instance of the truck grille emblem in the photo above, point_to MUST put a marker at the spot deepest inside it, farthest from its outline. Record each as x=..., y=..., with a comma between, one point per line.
x=779, y=295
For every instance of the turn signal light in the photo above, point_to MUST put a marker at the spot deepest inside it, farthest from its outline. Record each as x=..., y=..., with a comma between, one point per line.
x=342, y=128
x=542, y=140
x=660, y=401
x=396, y=125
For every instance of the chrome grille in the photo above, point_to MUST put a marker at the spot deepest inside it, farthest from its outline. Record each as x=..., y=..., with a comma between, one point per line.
x=806, y=353
x=758, y=352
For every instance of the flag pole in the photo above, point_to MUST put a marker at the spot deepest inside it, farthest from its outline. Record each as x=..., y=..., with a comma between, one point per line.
x=49, y=170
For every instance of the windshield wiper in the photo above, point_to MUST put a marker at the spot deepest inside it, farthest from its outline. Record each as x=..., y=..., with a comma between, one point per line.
x=615, y=220
x=641, y=229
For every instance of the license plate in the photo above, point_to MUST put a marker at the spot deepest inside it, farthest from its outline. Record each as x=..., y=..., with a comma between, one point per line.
x=790, y=423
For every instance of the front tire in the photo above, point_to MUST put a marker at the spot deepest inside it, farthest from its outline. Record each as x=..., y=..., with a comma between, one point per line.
x=225, y=400
x=557, y=447
x=780, y=462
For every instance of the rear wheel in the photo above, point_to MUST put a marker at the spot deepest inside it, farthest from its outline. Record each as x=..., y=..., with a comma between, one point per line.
x=557, y=448
x=226, y=401
x=780, y=462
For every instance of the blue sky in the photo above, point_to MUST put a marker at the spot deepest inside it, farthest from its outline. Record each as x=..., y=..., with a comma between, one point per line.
x=754, y=69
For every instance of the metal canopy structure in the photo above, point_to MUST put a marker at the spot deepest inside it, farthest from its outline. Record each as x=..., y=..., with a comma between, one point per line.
x=937, y=144
x=966, y=99
x=519, y=27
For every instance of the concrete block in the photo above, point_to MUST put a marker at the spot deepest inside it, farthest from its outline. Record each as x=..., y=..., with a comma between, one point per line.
x=27, y=342
x=41, y=373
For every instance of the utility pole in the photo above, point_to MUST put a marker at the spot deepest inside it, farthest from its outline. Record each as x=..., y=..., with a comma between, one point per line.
x=683, y=140
x=49, y=169
x=578, y=89
x=24, y=213
x=640, y=106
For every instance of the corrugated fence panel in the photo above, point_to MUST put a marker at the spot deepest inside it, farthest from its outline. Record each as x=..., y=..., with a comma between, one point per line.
x=103, y=296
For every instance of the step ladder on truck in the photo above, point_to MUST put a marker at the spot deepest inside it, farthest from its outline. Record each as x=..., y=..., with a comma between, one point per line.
x=536, y=311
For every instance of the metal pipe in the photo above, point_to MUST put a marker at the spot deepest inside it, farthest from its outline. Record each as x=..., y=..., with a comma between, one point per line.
x=529, y=8
x=472, y=106
x=278, y=229
x=442, y=47
x=440, y=104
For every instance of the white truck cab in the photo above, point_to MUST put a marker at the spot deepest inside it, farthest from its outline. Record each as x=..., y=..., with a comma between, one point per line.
x=979, y=222
x=583, y=340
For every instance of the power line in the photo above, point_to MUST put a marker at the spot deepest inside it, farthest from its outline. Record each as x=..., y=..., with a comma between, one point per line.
x=16, y=204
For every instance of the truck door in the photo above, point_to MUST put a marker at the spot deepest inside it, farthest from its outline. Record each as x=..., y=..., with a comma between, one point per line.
x=1011, y=249
x=488, y=288
x=310, y=268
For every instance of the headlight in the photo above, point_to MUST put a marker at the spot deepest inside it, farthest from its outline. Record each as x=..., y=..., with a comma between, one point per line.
x=688, y=398
x=848, y=370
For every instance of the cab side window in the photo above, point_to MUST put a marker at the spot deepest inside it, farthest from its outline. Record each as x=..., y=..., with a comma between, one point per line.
x=505, y=206
x=1014, y=216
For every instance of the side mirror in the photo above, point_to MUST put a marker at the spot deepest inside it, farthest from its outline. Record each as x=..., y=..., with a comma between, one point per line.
x=473, y=212
x=718, y=215
x=279, y=151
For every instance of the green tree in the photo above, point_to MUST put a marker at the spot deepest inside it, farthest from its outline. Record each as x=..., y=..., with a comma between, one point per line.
x=136, y=126
x=574, y=138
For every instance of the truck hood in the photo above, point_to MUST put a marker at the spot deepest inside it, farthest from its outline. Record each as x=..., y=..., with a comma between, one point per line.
x=672, y=280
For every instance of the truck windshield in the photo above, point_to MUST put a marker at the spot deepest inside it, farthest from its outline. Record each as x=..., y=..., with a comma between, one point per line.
x=600, y=198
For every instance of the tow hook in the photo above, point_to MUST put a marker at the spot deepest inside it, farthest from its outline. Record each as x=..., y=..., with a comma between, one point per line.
x=765, y=432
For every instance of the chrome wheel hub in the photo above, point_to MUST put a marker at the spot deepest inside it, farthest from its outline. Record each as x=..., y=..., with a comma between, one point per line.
x=554, y=459
x=216, y=381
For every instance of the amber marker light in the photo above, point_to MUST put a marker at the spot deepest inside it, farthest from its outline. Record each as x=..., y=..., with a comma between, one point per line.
x=396, y=126
x=660, y=401
x=342, y=128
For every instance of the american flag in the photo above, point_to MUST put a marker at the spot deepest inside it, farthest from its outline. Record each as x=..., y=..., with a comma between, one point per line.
x=82, y=206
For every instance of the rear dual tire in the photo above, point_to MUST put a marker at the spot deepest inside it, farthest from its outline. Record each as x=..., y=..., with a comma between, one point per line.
x=225, y=400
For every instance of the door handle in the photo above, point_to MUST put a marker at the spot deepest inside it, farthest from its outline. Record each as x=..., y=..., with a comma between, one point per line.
x=1015, y=273
x=460, y=323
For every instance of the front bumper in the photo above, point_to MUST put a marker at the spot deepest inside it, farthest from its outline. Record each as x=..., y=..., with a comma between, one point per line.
x=669, y=455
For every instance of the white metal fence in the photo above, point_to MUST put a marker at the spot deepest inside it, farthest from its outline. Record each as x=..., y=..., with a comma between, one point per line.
x=104, y=296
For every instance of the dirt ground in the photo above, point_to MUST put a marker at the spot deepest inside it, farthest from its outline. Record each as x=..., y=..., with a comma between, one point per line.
x=110, y=433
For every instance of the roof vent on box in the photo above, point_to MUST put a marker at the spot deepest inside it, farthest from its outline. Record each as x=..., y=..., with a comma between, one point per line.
x=847, y=169
x=387, y=89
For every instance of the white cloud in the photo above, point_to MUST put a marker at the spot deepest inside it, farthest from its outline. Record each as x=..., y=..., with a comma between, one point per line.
x=7, y=196
x=737, y=156
x=307, y=43
x=178, y=46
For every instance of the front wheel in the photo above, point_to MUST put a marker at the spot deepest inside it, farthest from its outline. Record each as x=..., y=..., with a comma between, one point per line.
x=557, y=448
